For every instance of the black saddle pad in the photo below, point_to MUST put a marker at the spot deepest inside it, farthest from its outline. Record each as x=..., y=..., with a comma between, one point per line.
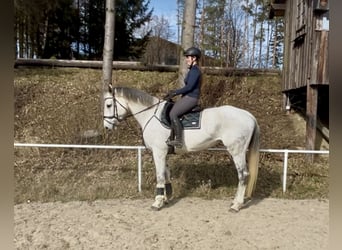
x=190, y=120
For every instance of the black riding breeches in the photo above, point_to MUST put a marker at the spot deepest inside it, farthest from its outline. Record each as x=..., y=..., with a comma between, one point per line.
x=183, y=105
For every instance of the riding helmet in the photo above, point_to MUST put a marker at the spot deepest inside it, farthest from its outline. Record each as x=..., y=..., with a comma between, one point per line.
x=193, y=51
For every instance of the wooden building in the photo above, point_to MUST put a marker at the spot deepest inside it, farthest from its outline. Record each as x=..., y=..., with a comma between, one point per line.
x=160, y=51
x=305, y=82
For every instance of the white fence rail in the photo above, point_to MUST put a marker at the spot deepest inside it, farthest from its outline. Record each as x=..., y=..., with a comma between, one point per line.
x=140, y=148
x=286, y=156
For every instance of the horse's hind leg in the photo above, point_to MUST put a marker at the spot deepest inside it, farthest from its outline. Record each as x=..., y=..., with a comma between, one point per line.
x=240, y=164
x=168, y=186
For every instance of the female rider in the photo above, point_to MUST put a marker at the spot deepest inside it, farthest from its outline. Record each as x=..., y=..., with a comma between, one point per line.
x=190, y=95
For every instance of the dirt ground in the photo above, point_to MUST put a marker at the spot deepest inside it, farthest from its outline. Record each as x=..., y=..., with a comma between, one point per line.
x=188, y=223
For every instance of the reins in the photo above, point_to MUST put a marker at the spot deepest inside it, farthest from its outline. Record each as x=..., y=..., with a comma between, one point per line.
x=143, y=110
x=115, y=115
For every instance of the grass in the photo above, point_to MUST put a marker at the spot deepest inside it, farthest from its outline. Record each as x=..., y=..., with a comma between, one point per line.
x=58, y=105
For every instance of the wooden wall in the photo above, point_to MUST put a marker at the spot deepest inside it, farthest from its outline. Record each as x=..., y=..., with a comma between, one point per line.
x=305, y=56
x=306, y=45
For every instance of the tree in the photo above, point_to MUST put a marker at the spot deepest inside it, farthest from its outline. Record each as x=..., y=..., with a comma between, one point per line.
x=44, y=28
x=60, y=31
x=247, y=8
x=188, y=31
x=75, y=28
x=130, y=16
x=158, y=49
x=220, y=32
x=180, y=12
x=276, y=43
x=91, y=32
x=108, y=48
x=230, y=33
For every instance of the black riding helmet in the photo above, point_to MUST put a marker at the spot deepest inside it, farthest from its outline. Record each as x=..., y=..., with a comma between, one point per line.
x=193, y=51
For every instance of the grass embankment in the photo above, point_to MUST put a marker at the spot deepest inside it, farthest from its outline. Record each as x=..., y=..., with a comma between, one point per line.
x=59, y=105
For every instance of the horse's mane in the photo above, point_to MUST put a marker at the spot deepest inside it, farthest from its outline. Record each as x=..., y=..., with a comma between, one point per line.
x=135, y=95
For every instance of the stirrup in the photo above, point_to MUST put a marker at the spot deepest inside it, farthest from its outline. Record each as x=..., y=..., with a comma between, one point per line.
x=174, y=143
x=170, y=150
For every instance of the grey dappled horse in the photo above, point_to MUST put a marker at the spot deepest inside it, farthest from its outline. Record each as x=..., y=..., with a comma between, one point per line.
x=236, y=128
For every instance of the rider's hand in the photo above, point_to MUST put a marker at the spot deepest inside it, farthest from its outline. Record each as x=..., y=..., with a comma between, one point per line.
x=169, y=95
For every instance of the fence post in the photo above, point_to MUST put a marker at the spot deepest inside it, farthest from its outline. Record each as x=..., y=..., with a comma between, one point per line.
x=286, y=154
x=139, y=169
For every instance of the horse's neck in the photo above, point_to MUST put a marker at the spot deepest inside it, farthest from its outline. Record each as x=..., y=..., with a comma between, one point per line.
x=143, y=113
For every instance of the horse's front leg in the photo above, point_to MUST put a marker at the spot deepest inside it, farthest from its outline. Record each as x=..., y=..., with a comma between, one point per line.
x=163, y=186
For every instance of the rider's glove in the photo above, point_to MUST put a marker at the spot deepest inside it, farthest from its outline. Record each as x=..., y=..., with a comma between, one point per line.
x=169, y=95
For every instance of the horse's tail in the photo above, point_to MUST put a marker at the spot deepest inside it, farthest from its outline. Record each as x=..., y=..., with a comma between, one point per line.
x=253, y=161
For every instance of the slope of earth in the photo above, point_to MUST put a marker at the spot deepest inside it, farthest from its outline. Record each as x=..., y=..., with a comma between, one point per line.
x=62, y=105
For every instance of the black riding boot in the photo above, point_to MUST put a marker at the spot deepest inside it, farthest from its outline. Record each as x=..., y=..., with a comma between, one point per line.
x=177, y=128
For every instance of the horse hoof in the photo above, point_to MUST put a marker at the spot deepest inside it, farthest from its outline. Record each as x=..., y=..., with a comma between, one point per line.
x=158, y=203
x=234, y=210
x=155, y=208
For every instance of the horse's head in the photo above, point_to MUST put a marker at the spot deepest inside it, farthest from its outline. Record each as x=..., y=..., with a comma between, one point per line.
x=113, y=111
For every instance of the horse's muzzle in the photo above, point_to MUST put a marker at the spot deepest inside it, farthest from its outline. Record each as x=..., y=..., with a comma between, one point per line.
x=109, y=124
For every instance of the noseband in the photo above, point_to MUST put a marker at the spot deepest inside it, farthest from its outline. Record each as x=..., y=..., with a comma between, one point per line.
x=115, y=113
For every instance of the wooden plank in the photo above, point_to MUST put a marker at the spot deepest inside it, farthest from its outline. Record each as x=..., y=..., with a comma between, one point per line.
x=311, y=119
x=142, y=67
x=322, y=65
x=92, y=64
x=278, y=6
x=323, y=130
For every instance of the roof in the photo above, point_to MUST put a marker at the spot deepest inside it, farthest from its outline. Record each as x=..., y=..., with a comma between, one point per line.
x=277, y=8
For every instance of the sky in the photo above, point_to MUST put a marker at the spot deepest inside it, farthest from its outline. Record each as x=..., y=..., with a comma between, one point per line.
x=167, y=8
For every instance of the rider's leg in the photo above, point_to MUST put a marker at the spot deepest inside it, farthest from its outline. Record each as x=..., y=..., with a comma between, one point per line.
x=183, y=105
x=178, y=133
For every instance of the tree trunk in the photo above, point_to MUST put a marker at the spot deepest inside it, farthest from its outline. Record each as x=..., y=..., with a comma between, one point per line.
x=260, y=43
x=268, y=45
x=252, y=60
x=43, y=45
x=108, y=48
x=201, y=32
x=275, y=41
x=245, y=49
x=188, y=29
x=21, y=38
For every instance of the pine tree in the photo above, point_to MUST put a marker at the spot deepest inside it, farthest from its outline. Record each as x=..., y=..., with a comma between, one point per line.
x=130, y=16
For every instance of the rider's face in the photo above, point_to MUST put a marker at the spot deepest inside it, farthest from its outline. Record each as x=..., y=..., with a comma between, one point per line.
x=190, y=60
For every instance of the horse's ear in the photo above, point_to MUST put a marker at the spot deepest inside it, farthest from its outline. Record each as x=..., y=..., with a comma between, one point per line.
x=110, y=88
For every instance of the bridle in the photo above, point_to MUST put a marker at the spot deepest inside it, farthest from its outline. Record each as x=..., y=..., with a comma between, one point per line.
x=115, y=113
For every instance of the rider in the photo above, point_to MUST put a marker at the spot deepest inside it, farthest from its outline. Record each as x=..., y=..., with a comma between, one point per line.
x=190, y=95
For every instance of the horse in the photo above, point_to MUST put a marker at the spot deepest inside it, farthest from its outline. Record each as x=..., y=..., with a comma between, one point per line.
x=236, y=128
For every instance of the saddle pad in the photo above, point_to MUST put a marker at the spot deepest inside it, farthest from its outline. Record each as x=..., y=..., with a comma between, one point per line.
x=191, y=120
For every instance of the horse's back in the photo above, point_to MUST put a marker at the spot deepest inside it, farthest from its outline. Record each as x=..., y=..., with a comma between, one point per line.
x=228, y=113
x=231, y=125
x=227, y=119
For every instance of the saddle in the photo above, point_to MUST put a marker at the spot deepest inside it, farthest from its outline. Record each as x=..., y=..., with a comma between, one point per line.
x=190, y=120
